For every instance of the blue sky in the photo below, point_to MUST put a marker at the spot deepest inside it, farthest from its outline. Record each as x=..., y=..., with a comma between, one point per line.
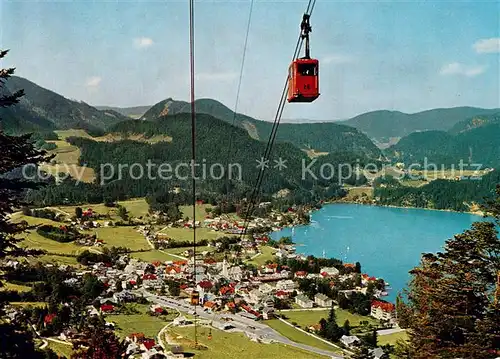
x=406, y=56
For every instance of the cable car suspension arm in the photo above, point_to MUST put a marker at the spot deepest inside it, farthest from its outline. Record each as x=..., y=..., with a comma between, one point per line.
x=306, y=28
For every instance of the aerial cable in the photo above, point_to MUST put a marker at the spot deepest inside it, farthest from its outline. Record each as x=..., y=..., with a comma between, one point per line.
x=238, y=94
x=272, y=135
x=193, y=148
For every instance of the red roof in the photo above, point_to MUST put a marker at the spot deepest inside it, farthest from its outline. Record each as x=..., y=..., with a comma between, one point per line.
x=149, y=276
x=205, y=284
x=139, y=336
x=172, y=268
x=209, y=304
x=183, y=286
x=281, y=293
x=107, y=307
x=231, y=305
x=248, y=309
x=225, y=290
x=300, y=273
x=148, y=343
x=133, y=282
x=158, y=310
x=49, y=318
x=385, y=306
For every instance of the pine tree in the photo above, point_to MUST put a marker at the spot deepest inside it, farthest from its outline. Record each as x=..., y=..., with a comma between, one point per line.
x=451, y=308
x=16, y=151
x=332, y=317
x=347, y=327
x=101, y=344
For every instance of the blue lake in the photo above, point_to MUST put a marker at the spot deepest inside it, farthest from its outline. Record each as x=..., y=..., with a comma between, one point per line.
x=386, y=241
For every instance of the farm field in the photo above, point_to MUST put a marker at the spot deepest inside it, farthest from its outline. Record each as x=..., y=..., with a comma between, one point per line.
x=447, y=174
x=67, y=157
x=142, y=322
x=200, y=213
x=11, y=286
x=186, y=234
x=267, y=254
x=137, y=207
x=154, y=255
x=233, y=345
x=121, y=237
x=392, y=338
x=298, y=336
x=353, y=192
x=306, y=318
x=61, y=349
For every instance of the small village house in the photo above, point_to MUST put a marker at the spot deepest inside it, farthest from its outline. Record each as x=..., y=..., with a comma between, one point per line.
x=322, y=300
x=329, y=271
x=383, y=310
x=350, y=341
x=304, y=301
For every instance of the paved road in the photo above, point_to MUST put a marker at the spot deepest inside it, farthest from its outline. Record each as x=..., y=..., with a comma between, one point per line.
x=246, y=325
x=390, y=331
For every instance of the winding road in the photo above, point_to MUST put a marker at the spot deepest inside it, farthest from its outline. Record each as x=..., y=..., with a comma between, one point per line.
x=248, y=326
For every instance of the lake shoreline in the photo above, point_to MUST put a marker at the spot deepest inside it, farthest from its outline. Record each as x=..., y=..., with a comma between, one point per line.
x=386, y=243
x=476, y=213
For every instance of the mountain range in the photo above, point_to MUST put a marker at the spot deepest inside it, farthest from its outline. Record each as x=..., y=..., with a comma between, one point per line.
x=133, y=112
x=43, y=110
x=475, y=140
x=382, y=125
x=323, y=137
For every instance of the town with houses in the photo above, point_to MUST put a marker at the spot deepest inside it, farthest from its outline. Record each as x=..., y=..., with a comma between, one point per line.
x=221, y=292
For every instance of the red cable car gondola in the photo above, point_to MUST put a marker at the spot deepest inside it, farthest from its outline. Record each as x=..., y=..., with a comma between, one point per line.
x=303, y=75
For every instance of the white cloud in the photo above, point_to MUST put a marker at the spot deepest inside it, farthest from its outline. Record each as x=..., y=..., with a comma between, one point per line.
x=456, y=68
x=143, y=42
x=485, y=46
x=216, y=76
x=336, y=59
x=93, y=81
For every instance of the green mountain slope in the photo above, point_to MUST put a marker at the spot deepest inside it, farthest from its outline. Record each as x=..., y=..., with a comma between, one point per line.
x=19, y=119
x=133, y=112
x=479, y=145
x=382, y=125
x=41, y=106
x=322, y=137
x=441, y=194
x=475, y=122
x=106, y=158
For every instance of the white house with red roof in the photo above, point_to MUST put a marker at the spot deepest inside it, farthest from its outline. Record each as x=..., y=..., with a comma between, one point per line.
x=383, y=310
x=301, y=274
x=329, y=271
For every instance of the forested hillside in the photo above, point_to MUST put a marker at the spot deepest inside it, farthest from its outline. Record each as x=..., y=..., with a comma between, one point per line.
x=132, y=112
x=440, y=194
x=43, y=109
x=382, y=125
x=322, y=137
x=475, y=122
x=474, y=144
x=213, y=137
